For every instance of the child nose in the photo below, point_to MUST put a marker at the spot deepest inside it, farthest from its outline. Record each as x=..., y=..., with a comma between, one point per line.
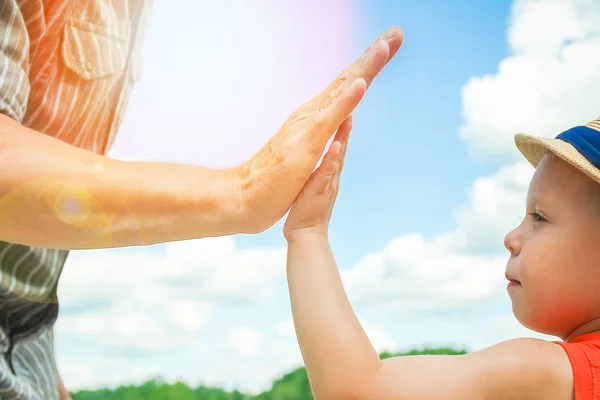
x=513, y=242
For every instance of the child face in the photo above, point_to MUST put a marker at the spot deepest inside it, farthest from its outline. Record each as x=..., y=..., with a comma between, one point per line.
x=555, y=252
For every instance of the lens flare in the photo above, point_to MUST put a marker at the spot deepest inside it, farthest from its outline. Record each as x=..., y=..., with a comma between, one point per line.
x=73, y=205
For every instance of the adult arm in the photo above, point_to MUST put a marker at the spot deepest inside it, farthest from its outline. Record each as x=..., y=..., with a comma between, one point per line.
x=55, y=195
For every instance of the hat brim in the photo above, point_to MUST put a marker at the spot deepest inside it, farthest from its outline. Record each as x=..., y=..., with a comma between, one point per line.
x=535, y=148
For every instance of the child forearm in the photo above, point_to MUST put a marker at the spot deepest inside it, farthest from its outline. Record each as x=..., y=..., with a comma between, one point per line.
x=337, y=352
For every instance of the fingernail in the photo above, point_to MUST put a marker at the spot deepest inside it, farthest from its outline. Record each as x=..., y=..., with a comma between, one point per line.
x=376, y=41
x=390, y=33
x=377, y=44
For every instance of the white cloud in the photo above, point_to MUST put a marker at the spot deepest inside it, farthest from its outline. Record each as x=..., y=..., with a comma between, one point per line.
x=452, y=270
x=245, y=340
x=161, y=298
x=79, y=374
x=159, y=311
x=189, y=315
x=136, y=326
x=548, y=84
x=379, y=337
x=434, y=278
x=286, y=328
x=496, y=205
x=210, y=268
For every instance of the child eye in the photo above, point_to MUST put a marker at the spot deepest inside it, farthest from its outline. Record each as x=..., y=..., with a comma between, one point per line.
x=537, y=217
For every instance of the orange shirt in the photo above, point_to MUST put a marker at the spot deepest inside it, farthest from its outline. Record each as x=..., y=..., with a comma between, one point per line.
x=584, y=354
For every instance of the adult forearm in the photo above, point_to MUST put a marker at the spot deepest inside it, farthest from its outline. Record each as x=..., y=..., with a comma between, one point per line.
x=338, y=355
x=55, y=195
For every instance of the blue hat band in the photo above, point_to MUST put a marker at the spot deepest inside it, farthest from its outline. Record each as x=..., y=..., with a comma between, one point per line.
x=586, y=140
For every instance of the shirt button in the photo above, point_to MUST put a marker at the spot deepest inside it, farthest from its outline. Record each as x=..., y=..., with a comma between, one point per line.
x=87, y=65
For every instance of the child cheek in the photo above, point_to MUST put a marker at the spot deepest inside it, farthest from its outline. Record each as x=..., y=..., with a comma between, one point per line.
x=542, y=302
x=552, y=306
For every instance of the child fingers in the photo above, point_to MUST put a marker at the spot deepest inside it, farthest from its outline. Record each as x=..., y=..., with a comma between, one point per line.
x=344, y=137
x=323, y=175
x=319, y=179
x=343, y=130
x=330, y=160
x=333, y=116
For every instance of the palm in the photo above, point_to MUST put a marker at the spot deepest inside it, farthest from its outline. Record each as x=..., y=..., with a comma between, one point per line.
x=307, y=211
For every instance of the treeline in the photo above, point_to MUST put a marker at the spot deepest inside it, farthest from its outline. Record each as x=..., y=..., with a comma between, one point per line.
x=292, y=386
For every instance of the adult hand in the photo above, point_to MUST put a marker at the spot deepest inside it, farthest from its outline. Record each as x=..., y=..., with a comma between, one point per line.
x=272, y=179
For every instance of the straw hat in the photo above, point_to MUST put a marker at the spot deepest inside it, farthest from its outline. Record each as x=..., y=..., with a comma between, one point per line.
x=579, y=146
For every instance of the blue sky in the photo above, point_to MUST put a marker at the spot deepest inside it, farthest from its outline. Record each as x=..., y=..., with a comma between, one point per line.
x=405, y=151
x=431, y=185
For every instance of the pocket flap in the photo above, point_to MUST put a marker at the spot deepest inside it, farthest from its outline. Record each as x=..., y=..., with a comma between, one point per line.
x=91, y=51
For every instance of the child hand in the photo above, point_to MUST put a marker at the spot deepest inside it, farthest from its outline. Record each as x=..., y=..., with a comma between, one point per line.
x=312, y=208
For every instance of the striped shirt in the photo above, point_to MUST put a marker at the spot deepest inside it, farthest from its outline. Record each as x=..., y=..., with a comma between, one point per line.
x=67, y=69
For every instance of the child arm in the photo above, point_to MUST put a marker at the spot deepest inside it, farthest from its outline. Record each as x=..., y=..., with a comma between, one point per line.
x=339, y=358
x=342, y=364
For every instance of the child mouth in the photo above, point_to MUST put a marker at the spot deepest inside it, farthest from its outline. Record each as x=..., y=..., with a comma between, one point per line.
x=512, y=281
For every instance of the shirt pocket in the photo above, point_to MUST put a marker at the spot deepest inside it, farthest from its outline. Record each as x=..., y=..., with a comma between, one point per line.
x=93, y=51
x=94, y=58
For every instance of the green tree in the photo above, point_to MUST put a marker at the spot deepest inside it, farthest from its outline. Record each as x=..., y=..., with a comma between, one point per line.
x=291, y=386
